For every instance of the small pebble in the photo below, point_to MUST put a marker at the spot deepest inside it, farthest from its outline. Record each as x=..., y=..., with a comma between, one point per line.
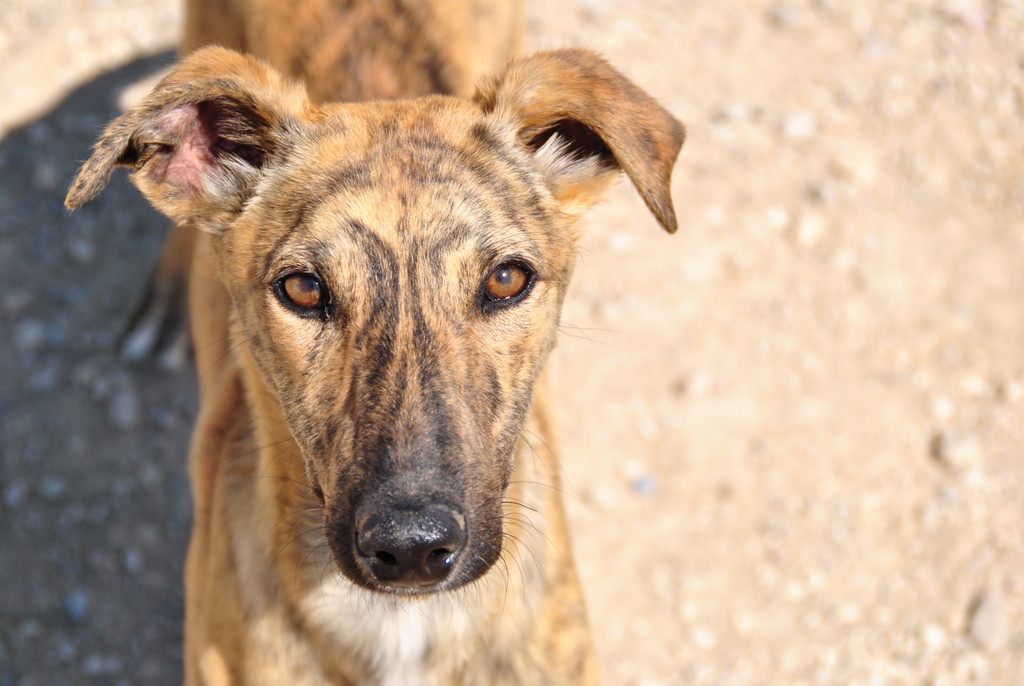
x=645, y=486
x=16, y=301
x=94, y=665
x=52, y=487
x=800, y=125
x=14, y=495
x=132, y=561
x=954, y=452
x=679, y=386
x=621, y=242
x=46, y=378
x=28, y=630
x=822, y=192
x=163, y=418
x=47, y=176
x=986, y=619
x=86, y=374
x=856, y=163
x=29, y=335
x=604, y=497
x=77, y=444
x=778, y=218
x=942, y=408
x=81, y=250
x=57, y=331
x=1012, y=392
x=65, y=651
x=811, y=229
x=976, y=385
x=704, y=638
x=934, y=637
x=736, y=111
x=702, y=383
x=77, y=605
x=123, y=410
x=785, y=15
x=971, y=13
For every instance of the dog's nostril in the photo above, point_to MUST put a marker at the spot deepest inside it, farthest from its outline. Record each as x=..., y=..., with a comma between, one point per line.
x=386, y=557
x=439, y=562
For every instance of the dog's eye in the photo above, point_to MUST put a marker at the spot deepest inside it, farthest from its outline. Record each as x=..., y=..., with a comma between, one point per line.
x=303, y=292
x=507, y=284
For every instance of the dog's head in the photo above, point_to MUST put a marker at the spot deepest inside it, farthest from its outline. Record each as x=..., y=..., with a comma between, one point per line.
x=397, y=271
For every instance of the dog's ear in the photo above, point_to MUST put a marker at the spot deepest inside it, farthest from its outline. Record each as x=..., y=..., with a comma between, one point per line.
x=584, y=121
x=198, y=143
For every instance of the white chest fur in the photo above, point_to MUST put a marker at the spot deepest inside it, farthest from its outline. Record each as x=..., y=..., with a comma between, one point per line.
x=395, y=639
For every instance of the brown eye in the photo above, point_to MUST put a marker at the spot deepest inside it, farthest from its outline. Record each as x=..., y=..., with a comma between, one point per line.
x=507, y=282
x=302, y=291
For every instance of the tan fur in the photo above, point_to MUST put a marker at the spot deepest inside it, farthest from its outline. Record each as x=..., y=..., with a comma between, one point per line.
x=401, y=208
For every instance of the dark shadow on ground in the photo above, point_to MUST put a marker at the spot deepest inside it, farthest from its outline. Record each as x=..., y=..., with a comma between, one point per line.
x=95, y=510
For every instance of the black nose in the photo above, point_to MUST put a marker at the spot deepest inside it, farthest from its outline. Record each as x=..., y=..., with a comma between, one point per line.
x=411, y=548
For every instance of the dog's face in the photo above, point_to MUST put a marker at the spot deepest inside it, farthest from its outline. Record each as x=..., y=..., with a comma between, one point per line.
x=397, y=271
x=399, y=284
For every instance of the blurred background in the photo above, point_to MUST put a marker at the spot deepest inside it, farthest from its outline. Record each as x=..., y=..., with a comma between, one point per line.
x=792, y=434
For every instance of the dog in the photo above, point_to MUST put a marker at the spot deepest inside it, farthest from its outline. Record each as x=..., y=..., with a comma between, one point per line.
x=374, y=286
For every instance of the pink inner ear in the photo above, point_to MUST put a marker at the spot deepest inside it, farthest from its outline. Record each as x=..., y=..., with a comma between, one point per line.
x=193, y=158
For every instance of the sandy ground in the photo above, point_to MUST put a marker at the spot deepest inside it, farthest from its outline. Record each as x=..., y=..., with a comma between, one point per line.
x=792, y=433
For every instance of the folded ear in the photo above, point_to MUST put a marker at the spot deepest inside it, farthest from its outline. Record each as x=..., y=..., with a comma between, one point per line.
x=198, y=143
x=584, y=121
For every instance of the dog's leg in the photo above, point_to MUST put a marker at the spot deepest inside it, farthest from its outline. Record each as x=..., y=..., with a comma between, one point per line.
x=158, y=327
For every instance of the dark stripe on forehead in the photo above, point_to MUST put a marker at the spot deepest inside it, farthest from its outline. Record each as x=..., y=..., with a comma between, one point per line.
x=382, y=262
x=515, y=200
x=376, y=338
x=483, y=135
x=325, y=185
x=494, y=147
x=424, y=337
x=431, y=374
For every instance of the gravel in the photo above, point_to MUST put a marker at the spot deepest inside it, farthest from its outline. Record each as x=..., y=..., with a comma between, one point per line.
x=795, y=458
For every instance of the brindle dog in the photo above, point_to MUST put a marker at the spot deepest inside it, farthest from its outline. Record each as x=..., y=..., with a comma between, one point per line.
x=374, y=290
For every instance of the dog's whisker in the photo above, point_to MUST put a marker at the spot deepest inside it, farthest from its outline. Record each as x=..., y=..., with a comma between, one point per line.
x=255, y=451
x=214, y=364
x=563, y=476
x=231, y=335
x=557, y=489
x=519, y=503
x=590, y=339
x=294, y=538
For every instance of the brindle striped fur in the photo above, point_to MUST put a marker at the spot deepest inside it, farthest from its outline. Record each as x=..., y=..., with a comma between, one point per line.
x=409, y=383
